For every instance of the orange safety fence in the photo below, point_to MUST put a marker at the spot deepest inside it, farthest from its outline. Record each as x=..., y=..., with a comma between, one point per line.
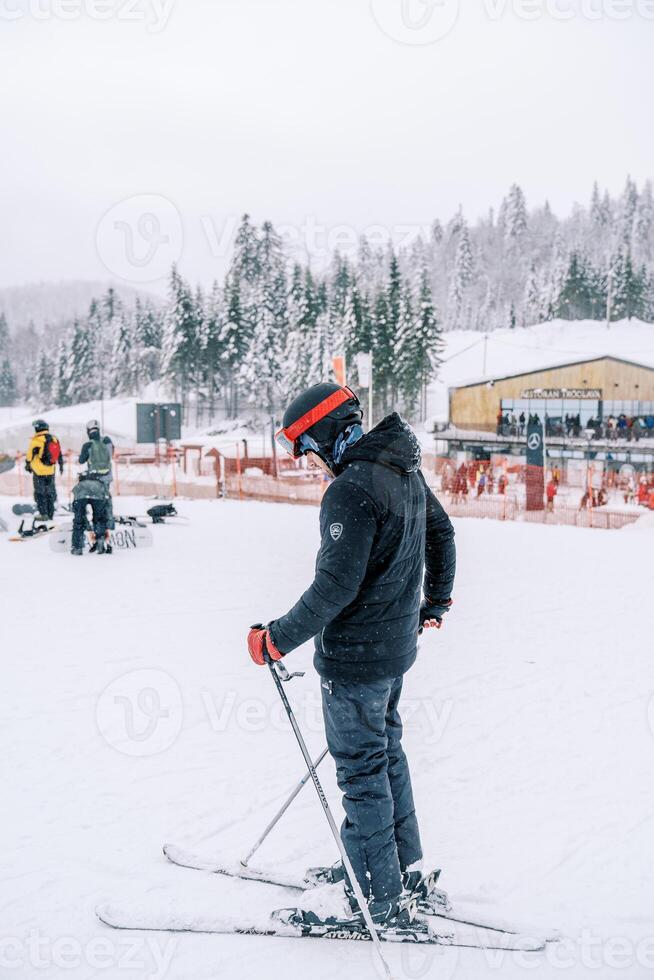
x=213, y=475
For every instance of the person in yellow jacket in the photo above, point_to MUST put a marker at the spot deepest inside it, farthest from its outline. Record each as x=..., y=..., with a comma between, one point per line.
x=43, y=456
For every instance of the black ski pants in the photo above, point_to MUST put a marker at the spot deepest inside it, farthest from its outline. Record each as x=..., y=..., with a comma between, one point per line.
x=45, y=494
x=99, y=508
x=364, y=735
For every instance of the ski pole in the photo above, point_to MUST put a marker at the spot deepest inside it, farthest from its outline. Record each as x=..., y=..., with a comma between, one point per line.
x=275, y=820
x=280, y=674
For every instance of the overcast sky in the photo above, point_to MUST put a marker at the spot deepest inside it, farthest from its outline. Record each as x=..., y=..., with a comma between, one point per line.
x=134, y=140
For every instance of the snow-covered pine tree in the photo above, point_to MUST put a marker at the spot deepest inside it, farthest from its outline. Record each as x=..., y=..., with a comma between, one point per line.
x=598, y=214
x=148, y=331
x=644, y=223
x=263, y=368
x=180, y=342
x=62, y=377
x=212, y=373
x=8, y=383
x=5, y=339
x=339, y=289
x=532, y=301
x=8, y=386
x=419, y=346
x=122, y=368
x=577, y=299
x=515, y=215
x=234, y=341
x=83, y=367
x=45, y=380
x=461, y=278
x=628, y=205
x=629, y=288
x=320, y=364
x=385, y=328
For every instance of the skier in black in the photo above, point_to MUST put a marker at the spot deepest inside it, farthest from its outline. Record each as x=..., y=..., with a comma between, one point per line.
x=382, y=531
x=98, y=453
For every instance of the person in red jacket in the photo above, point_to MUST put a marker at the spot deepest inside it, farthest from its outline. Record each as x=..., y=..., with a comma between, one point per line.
x=551, y=491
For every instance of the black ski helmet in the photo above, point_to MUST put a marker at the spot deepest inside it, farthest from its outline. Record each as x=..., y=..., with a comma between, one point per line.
x=322, y=411
x=40, y=425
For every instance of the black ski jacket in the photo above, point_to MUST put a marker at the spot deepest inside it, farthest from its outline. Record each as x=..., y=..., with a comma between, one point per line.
x=382, y=529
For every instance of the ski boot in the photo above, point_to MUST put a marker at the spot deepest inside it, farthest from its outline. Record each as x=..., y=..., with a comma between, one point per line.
x=395, y=917
x=325, y=875
x=421, y=888
x=391, y=913
x=77, y=551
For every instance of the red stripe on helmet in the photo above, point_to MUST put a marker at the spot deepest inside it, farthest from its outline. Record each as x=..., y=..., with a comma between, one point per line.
x=318, y=412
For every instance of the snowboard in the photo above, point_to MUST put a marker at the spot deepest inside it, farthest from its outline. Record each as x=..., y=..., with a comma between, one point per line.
x=125, y=538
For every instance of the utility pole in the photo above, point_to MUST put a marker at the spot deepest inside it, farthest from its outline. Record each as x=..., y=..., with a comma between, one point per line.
x=485, y=350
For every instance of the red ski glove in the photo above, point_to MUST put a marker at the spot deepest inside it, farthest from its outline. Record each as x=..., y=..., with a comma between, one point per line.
x=260, y=644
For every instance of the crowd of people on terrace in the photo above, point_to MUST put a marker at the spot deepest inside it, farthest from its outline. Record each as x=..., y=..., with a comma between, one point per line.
x=629, y=428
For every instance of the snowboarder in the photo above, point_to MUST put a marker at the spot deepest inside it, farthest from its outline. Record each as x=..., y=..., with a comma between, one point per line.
x=381, y=529
x=43, y=456
x=98, y=453
x=90, y=490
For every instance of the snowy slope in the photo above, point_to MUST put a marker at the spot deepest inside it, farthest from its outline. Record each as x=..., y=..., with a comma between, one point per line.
x=139, y=719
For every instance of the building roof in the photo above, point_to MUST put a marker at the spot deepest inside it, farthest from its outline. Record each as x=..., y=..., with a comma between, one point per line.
x=552, y=367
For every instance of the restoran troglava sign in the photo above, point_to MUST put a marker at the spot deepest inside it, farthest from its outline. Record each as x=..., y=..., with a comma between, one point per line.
x=562, y=393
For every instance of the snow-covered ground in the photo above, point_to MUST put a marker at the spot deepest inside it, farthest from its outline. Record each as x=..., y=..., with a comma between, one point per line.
x=131, y=715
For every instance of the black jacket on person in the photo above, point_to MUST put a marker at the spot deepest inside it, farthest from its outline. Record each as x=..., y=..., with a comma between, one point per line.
x=382, y=529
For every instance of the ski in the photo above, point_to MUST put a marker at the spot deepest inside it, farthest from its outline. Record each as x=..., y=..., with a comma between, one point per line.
x=289, y=924
x=441, y=908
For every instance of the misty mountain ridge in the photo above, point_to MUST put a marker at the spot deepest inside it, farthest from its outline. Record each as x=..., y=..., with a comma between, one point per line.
x=56, y=303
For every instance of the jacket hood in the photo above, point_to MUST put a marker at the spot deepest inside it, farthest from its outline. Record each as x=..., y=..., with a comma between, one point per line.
x=392, y=443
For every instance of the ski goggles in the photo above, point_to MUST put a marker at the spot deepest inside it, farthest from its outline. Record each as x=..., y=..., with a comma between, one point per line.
x=294, y=439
